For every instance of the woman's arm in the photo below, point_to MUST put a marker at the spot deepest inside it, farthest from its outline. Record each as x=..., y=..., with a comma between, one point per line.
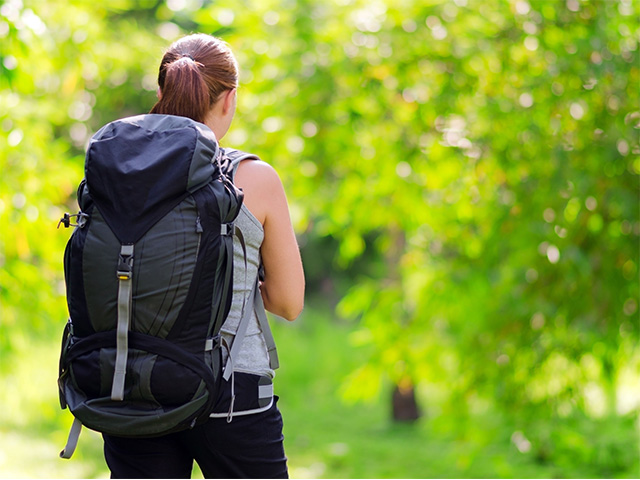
x=283, y=285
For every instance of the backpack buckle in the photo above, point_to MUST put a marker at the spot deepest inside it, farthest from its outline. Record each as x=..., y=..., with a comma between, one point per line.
x=125, y=263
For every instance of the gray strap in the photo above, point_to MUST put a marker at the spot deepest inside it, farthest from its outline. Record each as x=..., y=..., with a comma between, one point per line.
x=233, y=395
x=125, y=293
x=238, y=338
x=236, y=157
x=266, y=330
x=72, y=441
x=258, y=307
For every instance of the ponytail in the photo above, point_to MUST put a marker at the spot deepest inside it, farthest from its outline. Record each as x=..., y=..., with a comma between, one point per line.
x=184, y=91
x=194, y=72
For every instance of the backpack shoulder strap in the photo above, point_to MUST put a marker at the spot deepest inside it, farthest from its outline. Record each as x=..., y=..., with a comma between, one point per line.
x=258, y=307
x=237, y=156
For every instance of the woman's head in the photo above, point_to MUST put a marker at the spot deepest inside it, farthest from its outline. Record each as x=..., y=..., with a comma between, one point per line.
x=194, y=74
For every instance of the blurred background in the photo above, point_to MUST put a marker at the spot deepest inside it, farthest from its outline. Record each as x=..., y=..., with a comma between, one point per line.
x=464, y=181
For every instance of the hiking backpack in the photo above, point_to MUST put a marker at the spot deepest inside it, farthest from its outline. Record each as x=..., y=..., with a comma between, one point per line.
x=148, y=271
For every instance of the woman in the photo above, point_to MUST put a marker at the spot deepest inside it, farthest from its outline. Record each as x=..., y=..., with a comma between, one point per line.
x=198, y=79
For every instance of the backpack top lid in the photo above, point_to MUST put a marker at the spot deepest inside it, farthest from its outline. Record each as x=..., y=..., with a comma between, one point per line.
x=138, y=168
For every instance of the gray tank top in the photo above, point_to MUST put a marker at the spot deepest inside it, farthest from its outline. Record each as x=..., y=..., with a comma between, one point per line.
x=253, y=356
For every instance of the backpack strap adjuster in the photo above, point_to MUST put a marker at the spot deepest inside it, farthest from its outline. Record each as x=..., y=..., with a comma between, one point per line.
x=227, y=229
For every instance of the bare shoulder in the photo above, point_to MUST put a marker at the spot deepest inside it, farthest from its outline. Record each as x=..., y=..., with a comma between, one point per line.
x=261, y=185
x=259, y=173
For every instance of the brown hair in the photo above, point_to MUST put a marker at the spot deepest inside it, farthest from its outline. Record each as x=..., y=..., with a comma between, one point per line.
x=194, y=72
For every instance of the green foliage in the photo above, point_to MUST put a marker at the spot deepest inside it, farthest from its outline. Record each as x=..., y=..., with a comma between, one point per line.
x=63, y=76
x=464, y=173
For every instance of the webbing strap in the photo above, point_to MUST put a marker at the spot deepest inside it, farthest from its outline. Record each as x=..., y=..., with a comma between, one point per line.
x=238, y=338
x=72, y=441
x=125, y=293
x=219, y=314
x=258, y=305
x=274, y=363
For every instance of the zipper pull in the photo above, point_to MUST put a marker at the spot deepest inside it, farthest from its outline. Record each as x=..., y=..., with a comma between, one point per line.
x=199, y=228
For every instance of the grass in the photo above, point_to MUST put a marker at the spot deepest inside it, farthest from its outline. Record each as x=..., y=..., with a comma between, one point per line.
x=326, y=437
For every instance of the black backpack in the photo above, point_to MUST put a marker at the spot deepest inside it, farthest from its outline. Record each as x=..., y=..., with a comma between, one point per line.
x=148, y=272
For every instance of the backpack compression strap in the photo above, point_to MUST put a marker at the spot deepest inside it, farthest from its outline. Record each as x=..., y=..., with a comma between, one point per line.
x=125, y=293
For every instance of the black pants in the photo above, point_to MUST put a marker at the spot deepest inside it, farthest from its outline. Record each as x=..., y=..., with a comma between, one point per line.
x=251, y=446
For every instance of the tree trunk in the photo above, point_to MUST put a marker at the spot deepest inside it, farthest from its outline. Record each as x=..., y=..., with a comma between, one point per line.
x=405, y=407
